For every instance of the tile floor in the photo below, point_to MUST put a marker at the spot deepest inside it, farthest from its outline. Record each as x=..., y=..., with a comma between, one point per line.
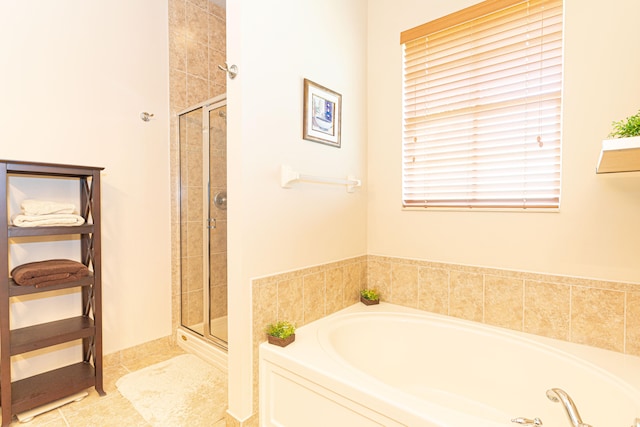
x=112, y=410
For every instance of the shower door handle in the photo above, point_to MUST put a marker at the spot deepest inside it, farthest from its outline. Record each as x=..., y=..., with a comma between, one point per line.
x=212, y=223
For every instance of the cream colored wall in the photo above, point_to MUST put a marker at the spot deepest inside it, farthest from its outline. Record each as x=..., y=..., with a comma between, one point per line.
x=596, y=232
x=274, y=230
x=75, y=77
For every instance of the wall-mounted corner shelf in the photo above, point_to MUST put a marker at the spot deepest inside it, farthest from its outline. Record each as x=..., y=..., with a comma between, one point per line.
x=619, y=155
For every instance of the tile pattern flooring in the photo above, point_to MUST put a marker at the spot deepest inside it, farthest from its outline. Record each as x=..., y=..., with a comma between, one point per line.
x=112, y=410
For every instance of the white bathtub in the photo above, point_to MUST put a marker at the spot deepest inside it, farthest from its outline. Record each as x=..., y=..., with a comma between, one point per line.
x=388, y=365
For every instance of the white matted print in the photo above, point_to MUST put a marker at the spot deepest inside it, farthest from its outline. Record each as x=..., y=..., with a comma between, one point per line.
x=322, y=114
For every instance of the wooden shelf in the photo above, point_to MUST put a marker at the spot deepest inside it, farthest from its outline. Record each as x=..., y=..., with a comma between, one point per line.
x=49, y=231
x=44, y=335
x=619, y=155
x=17, y=290
x=86, y=326
x=50, y=386
x=18, y=167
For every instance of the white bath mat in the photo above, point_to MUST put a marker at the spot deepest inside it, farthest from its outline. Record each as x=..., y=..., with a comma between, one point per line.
x=183, y=391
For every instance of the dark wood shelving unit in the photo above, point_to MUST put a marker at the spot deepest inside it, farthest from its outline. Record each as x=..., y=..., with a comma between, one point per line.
x=47, y=387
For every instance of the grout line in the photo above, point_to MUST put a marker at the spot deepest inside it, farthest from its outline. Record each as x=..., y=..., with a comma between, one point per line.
x=624, y=324
x=524, y=304
x=570, y=313
x=448, y=292
x=484, y=295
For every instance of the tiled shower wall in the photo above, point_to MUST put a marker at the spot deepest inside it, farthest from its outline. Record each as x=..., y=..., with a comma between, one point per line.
x=592, y=312
x=197, y=44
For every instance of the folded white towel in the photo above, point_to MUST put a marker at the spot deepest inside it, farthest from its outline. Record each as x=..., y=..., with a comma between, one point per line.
x=47, y=220
x=44, y=207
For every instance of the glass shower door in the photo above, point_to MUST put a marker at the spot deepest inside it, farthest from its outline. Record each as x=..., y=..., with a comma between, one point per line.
x=203, y=219
x=218, y=222
x=191, y=220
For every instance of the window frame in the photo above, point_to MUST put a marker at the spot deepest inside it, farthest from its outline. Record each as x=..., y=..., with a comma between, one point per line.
x=481, y=10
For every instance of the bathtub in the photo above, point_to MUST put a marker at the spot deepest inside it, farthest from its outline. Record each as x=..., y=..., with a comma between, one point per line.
x=387, y=365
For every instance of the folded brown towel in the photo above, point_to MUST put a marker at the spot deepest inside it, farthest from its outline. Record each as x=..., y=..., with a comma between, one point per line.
x=50, y=272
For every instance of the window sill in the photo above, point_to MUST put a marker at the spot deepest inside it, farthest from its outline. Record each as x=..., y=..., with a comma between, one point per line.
x=499, y=210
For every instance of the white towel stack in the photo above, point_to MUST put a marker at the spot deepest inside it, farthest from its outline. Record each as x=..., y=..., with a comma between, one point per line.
x=38, y=213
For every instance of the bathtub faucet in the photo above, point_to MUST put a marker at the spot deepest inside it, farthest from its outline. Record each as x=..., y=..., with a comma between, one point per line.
x=559, y=395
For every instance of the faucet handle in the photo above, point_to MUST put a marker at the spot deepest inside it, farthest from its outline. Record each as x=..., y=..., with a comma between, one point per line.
x=526, y=421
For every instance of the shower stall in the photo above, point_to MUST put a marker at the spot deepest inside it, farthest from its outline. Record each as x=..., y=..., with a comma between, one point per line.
x=203, y=221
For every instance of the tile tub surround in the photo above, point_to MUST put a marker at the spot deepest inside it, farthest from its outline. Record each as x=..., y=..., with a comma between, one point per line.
x=597, y=313
x=302, y=296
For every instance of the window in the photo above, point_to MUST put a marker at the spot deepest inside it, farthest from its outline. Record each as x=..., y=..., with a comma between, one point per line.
x=482, y=98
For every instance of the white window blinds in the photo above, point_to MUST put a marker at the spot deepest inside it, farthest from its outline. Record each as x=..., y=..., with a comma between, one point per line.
x=482, y=100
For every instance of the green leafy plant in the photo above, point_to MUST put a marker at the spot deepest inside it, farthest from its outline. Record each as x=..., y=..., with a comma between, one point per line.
x=282, y=329
x=626, y=128
x=370, y=294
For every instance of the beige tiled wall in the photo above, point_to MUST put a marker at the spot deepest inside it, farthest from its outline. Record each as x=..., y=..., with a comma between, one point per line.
x=303, y=296
x=598, y=313
x=632, y=326
x=592, y=312
x=197, y=44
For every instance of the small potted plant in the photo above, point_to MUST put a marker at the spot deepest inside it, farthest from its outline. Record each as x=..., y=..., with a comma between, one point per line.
x=626, y=128
x=281, y=333
x=369, y=296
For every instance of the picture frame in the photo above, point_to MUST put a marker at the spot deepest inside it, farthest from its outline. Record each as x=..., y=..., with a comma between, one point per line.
x=322, y=116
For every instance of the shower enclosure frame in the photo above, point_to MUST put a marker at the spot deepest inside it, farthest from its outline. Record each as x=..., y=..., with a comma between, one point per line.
x=208, y=223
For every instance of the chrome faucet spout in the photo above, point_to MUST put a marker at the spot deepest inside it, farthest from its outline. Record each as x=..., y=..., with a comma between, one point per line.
x=559, y=395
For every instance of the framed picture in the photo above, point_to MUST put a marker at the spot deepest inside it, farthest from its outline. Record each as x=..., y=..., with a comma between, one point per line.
x=322, y=114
